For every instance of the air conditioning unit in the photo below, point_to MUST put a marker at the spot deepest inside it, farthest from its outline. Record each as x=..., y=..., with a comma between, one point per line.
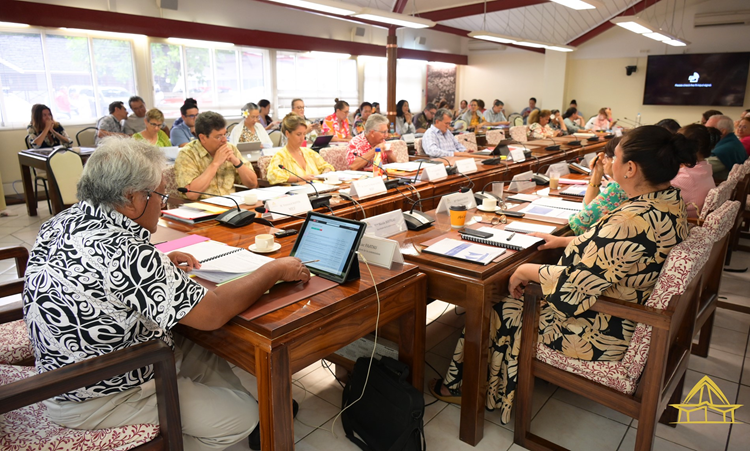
x=167, y=4
x=359, y=34
x=722, y=19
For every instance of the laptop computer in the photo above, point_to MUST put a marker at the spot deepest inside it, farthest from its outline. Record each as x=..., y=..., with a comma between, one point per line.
x=249, y=147
x=321, y=142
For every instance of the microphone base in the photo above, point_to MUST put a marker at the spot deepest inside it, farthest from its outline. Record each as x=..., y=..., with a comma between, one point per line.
x=593, y=139
x=555, y=147
x=574, y=143
x=451, y=170
x=540, y=179
x=391, y=183
x=234, y=218
x=416, y=220
x=322, y=200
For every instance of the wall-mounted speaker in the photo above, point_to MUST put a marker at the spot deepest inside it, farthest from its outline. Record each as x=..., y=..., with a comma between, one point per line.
x=359, y=32
x=630, y=69
x=167, y=4
x=420, y=40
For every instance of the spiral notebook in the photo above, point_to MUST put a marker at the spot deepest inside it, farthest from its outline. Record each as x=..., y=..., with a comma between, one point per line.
x=221, y=263
x=502, y=238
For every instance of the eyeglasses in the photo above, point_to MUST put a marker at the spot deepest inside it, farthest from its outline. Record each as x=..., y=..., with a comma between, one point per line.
x=497, y=220
x=191, y=116
x=221, y=137
x=155, y=125
x=164, y=197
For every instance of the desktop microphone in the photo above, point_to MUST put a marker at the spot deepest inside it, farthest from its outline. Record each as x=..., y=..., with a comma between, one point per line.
x=628, y=122
x=390, y=182
x=232, y=218
x=317, y=201
x=416, y=176
x=554, y=145
x=451, y=170
x=262, y=210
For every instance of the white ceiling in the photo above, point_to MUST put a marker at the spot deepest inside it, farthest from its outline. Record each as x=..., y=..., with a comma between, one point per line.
x=548, y=22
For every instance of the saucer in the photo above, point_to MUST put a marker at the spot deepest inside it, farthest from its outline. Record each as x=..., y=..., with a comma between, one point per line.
x=332, y=183
x=486, y=210
x=274, y=248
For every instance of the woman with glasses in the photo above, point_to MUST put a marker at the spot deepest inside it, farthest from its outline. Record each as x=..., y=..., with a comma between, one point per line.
x=250, y=129
x=153, y=133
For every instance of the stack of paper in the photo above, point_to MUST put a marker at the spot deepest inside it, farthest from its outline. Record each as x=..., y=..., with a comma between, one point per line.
x=193, y=212
x=465, y=251
x=221, y=263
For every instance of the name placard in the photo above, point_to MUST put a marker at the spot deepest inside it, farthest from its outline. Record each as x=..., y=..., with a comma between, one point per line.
x=466, y=165
x=522, y=182
x=466, y=199
x=367, y=187
x=517, y=155
x=291, y=205
x=385, y=225
x=380, y=251
x=433, y=172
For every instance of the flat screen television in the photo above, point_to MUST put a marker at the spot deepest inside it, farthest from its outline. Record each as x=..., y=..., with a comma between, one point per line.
x=715, y=79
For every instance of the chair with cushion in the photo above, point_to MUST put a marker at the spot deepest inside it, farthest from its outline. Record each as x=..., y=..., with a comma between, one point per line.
x=418, y=146
x=519, y=133
x=740, y=174
x=230, y=127
x=400, y=151
x=651, y=374
x=515, y=119
x=15, y=347
x=263, y=162
x=275, y=138
x=170, y=179
x=24, y=423
x=65, y=168
x=87, y=137
x=469, y=140
x=39, y=176
x=336, y=156
x=719, y=223
x=715, y=199
x=494, y=137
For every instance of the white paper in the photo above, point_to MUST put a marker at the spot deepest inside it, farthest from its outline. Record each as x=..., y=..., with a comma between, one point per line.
x=385, y=225
x=466, y=250
x=517, y=155
x=521, y=182
x=547, y=212
x=308, y=189
x=367, y=187
x=556, y=202
x=466, y=199
x=523, y=197
x=380, y=251
x=560, y=168
x=409, y=137
x=527, y=227
x=227, y=267
x=433, y=172
x=345, y=175
x=224, y=202
x=291, y=205
x=406, y=166
x=466, y=165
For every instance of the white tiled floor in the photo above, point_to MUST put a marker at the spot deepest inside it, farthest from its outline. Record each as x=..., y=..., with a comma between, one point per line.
x=559, y=415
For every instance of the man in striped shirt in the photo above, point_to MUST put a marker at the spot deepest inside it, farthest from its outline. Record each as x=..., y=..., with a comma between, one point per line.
x=437, y=140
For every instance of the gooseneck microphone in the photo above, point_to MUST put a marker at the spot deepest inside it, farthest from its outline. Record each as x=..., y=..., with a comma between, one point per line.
x=232, y=218
x=391, y=182
x=317, y=201
x=265, y=210
x=451, y=170
x=554, y=145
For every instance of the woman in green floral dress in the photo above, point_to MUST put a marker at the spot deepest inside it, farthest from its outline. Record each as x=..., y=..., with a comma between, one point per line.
x=620, y=256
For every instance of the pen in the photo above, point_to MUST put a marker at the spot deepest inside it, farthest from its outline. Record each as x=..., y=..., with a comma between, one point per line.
x=511, y=236
x=310, y=261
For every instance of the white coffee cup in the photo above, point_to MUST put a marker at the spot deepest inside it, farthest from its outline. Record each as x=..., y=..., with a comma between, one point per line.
x=489, y=203
x=251, y=199
x=332, y=179
x=264, y=242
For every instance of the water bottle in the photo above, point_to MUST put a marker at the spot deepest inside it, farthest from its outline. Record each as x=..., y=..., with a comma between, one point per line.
x=638, y=120
x=392, y=130
x=376, y=167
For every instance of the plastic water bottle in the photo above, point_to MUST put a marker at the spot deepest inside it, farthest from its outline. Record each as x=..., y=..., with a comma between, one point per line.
x=392, y=130
x=376, y=167
x=638, y=120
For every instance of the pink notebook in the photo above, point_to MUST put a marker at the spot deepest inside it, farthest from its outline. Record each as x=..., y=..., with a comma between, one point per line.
x=179, y=243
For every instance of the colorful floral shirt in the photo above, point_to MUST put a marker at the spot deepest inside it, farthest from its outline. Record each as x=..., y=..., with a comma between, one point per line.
x=332, y=126
x=194, y=159
x=359, y=145
x=49, y=141
x=539, y=132
x=603, y=204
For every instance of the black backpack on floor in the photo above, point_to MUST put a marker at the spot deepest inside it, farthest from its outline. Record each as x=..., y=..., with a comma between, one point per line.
x=390, y=415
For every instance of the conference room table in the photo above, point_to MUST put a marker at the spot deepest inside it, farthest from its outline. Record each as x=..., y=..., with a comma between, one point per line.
x=276, y=345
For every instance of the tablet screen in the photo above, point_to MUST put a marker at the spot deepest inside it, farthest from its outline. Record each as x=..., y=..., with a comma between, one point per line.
x=331, y=240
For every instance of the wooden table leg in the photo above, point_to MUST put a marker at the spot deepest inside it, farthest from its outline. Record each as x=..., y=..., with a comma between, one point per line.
x=274, y=376
x=412, y=335
x=474, y=387
x=28, y=189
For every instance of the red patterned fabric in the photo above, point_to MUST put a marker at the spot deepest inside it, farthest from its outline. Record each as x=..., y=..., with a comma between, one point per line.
x=263, y=163
x=170, y=179
x=399, y=151
x=418, y=146
x=469, y=140
x=683, y=263
x=716, y=198
x=14, y=342
x=721, y=221
x=519, y=133
x=359, y=145
x=336, y=156
x=737, y=173
x=494, y=137
x=332, y=126
x=29, y=429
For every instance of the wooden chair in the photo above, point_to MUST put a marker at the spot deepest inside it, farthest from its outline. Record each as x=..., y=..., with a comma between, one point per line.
x=400, y=151
x=715, y=198
x=719, y=223
x=24, y=418
x=740, y=174
x=661, y=342
x=275, y=138
x=39, y=176
x=15, y=347
x=515, y=119
x=87, y=137
x=65, y=168
x=519, y=133
x=745, y=228
x=469, y=140
x=230, y=127
x=263, y=163
x=336, y=156
x=494, y=137
x=418, y=146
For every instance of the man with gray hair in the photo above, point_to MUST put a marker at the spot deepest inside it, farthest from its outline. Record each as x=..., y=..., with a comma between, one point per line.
x=438, y=141
x=95, y=284
x=364, y=145
x=728, y=151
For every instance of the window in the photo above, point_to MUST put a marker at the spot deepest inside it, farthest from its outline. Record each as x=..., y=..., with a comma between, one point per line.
x=318, y=80
x=219, y=79
x=76, y=76
x=411, y=75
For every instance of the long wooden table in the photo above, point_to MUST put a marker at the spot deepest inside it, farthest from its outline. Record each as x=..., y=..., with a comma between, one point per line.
x=278, y=344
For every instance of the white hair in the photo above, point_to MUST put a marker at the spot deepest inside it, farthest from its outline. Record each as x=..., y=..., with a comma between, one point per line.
x=374, y=121
x=723, y=123
x=120, y=166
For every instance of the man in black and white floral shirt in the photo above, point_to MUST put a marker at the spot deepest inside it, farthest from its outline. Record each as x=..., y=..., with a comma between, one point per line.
x=95, y=284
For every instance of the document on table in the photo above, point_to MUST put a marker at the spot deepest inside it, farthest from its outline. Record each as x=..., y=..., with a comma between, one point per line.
x=462, y=250
x=407, y=166
x=221, y=263
x=527, y=227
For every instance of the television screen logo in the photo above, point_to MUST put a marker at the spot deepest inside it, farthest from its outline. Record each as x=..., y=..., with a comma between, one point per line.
x=694, y=78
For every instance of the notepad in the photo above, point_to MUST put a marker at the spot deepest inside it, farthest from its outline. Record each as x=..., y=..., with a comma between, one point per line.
x=504, y=239
x=527, y=227
x=193, y=212
x=221, y=263
x=557, y=203
x=465, y=251
x=520, y=197
x=576, y=190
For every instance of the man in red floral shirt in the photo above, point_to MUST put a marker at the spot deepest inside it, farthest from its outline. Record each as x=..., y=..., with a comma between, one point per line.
x=364, y=144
